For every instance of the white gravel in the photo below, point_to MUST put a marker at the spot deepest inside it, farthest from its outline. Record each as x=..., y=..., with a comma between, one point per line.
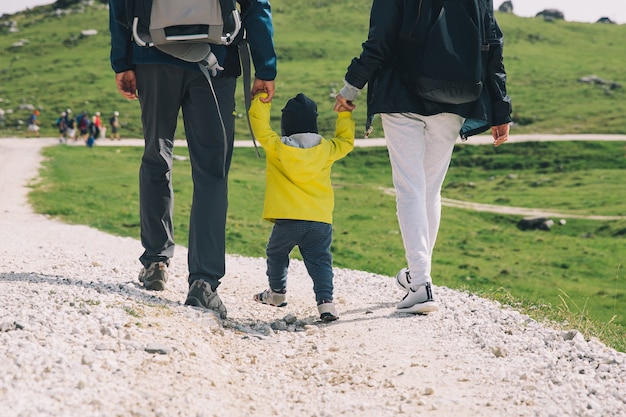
x=79, y=337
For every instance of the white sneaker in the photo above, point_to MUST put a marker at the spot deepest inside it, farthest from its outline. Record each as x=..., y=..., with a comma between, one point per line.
x=327, y=311
x=418, y=300
x=403, y=280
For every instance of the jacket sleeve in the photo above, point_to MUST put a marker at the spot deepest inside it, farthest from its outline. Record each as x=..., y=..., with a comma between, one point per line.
x=385, y=21
x=259, y=114
x=496, y=78
x=257, y=20
x=121, y=44
x=343, y=143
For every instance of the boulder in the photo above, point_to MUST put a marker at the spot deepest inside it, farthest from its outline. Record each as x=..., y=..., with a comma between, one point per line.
x=506, y=7
x=551, y=14
x=535, y=223
x=605, y=20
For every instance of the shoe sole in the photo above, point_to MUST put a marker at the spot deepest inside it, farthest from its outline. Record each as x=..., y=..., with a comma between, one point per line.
x=194, y=302
x=156, y=285
x=273, y=305
x=420, y=308
x=328, y=317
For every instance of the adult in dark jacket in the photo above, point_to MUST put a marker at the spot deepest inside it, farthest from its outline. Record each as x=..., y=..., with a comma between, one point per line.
x=164, y=85
x=420, y=134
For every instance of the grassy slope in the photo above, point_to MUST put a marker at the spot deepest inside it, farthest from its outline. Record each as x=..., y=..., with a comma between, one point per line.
x=315, y=42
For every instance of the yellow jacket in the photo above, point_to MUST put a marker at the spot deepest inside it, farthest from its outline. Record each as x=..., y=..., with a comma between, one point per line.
x=297, y=180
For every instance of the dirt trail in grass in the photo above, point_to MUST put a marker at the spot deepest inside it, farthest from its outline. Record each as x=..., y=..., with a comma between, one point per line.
x=79, y=336
x=522, y=211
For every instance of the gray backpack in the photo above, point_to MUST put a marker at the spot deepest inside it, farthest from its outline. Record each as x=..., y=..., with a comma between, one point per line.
x=186, y=29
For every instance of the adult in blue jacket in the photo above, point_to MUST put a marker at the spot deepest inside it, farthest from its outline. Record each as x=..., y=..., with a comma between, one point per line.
x=164, y=84
x=420, y=134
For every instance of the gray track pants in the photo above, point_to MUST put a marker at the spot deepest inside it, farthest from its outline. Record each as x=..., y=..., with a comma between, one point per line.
x=420, y=149
x=163, y=90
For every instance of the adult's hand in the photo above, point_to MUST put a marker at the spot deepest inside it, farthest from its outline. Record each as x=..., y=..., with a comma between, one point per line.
x=259, y=86
x=127, y=84
x=342, y=104
x=500, y=134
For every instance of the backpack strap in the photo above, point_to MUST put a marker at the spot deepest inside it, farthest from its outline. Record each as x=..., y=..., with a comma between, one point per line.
x=205, y=71
x=244, y=54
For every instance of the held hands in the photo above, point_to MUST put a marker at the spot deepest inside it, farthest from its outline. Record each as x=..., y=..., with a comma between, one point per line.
x=127, y=84
x=341, y=104
x=261, y=86
x=500, y=134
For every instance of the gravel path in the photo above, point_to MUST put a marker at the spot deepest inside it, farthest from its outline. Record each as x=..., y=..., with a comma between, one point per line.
x=79, y=337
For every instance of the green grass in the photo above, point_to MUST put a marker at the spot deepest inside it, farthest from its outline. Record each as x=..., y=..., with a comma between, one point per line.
x=569, y=181
x=572, y=272
x=315, y=41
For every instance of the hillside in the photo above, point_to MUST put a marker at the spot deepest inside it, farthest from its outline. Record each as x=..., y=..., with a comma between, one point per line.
x=45, y=62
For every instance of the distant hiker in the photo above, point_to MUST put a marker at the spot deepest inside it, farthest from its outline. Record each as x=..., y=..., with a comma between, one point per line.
x=100, y=128
x=299, y=197
x=83, y=122
x=61, y=124
x=33, y=124
x=71, y=126
x=114, y=121
x=92, y=136
x=95, y=126
x=421, y=133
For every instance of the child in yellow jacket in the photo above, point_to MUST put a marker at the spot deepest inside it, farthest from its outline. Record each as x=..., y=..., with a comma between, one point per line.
x=299, y=197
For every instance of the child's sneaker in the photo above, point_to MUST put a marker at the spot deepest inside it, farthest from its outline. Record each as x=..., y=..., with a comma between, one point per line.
x=154, y=276
x=418, y=300
x=327, y=311
x=271, y=298
x=403, y=280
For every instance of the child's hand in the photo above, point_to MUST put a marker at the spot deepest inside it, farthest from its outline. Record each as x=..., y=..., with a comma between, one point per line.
x=261, y=95
x=341, y=104
x=340, y=108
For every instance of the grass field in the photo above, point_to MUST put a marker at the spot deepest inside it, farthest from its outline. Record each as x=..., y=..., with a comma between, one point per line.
x=573, y=272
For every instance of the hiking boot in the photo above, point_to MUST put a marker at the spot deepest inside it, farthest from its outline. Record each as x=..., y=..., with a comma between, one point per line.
x=201, y=295
x=418, y=300
x=327, y=311
x=403, y=280
x=154, y=277
x=271, y=298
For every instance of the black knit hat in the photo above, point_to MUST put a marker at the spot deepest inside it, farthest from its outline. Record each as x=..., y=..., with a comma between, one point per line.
x=299, y=116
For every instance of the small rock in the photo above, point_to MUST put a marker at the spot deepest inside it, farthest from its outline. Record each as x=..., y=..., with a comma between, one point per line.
x=160, y=349
x=499, y=352
x=290, y=319
x=279, y=325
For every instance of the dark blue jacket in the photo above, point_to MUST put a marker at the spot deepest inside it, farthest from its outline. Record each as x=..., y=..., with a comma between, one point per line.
x=378, y=67
x=257, y=21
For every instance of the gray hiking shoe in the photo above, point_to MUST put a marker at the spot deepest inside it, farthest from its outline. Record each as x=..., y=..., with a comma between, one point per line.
x=154, y=277
x=271, y=298
x=201, y=295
